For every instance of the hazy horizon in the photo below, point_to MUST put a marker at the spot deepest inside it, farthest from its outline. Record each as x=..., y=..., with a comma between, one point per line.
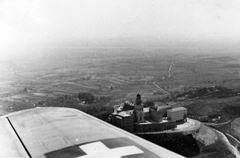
x=189, y=24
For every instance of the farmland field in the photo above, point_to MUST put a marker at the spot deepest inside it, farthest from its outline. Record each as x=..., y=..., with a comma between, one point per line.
x=206, y=84
x=120, y=73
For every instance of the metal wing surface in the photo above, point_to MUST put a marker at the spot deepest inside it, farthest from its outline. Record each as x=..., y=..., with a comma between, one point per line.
x=69, y=133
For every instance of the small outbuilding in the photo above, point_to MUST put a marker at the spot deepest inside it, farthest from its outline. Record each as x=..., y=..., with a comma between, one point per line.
x=177, y=114
x=123, y=120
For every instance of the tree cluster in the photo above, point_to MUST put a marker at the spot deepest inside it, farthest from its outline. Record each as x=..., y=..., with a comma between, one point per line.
x=88, y=98
x=94, y=106
x=216, y=92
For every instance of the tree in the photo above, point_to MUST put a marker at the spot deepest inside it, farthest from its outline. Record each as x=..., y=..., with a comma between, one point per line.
x=149, y=104
x=87, y=97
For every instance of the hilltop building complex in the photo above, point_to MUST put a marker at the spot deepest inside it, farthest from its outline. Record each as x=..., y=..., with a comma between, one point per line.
x=134, y=117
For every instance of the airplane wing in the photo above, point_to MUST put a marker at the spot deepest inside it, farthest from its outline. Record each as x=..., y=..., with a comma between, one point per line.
x=52, y=132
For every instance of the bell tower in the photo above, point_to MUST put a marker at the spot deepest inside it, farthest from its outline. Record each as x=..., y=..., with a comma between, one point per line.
x=138, y=110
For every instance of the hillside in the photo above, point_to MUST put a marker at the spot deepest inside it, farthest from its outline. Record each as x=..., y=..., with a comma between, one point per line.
x=206, y=84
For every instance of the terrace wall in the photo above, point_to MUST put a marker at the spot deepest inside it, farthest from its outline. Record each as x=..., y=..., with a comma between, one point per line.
x=154, y=127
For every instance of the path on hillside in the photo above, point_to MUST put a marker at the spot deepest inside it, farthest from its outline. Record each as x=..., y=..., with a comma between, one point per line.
x=169, y=70
x=160, y=88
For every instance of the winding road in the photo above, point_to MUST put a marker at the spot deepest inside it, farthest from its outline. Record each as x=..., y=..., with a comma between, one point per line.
x=169, y=70
x=189, y=126
x=217, y=124
x=233, y=138
x=223, y=138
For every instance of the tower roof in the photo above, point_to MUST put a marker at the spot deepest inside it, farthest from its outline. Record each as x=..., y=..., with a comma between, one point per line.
x=138, y=96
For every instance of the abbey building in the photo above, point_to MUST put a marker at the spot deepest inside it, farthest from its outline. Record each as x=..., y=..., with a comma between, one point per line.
x=134, y=117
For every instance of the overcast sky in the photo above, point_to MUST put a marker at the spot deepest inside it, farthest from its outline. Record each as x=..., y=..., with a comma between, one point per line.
x=52, y=22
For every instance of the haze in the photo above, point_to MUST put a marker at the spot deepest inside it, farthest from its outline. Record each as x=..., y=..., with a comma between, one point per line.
x=165, y=23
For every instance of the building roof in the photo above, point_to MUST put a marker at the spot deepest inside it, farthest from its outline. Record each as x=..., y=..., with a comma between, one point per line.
x=158, y=108
x=123, y=114
x=178, y=109
x=129, y=111
x=127, y=106
x=173, y=104
x=146, y=109
x=160, y=104
x=164, y=107
x=119, y=117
